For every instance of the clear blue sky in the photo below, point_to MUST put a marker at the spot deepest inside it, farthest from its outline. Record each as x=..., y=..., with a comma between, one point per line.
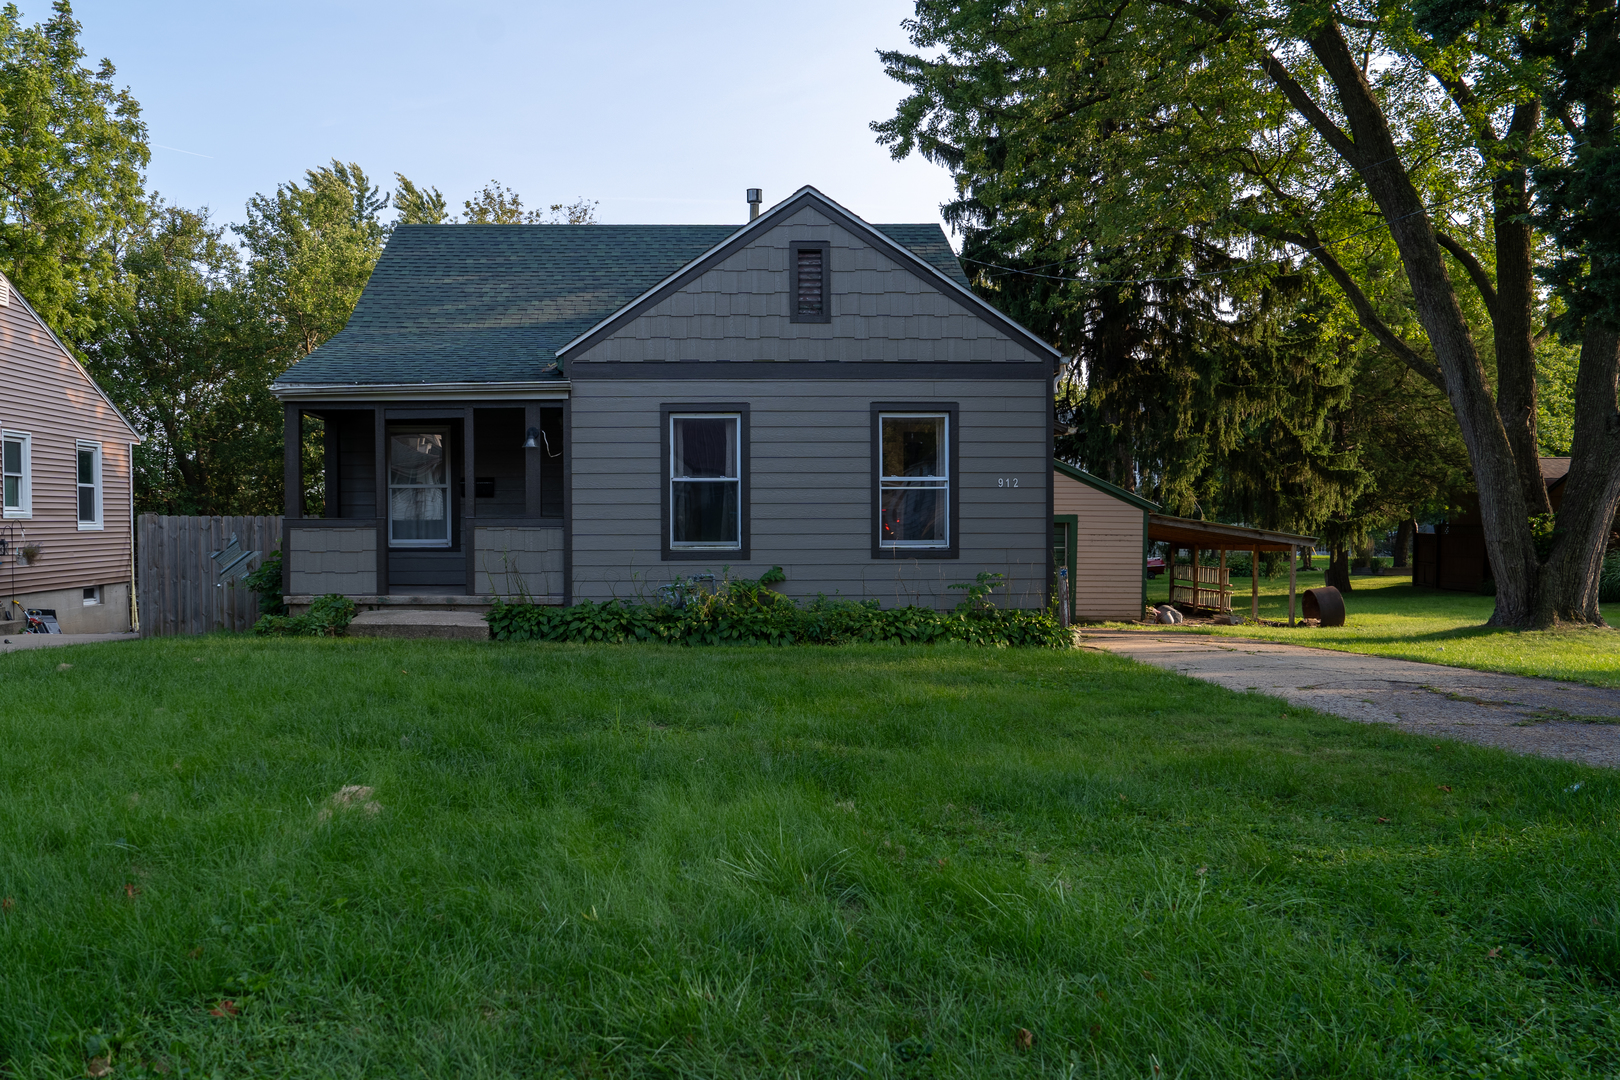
x=663, y=112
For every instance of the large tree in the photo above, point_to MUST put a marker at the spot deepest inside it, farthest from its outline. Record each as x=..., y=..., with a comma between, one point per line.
x=72, y=154
x=1303, y=128
x=188, y=354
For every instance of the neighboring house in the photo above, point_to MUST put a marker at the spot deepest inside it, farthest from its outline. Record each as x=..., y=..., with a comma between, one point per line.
x=1453, y=555
x=1100, y=534
x=65, y=453
x=589, y=412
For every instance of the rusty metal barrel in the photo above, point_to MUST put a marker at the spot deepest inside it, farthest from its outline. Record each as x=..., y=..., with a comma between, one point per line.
x=1325, y=605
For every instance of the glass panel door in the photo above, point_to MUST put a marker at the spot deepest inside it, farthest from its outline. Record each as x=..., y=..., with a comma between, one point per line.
x=418, y=489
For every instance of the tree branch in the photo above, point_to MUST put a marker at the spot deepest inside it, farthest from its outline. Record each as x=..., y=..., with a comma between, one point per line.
x=1476, y=272
x=1309, y=109
x=1364, y=310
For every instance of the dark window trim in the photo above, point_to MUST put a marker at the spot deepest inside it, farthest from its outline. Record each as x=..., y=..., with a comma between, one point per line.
x=826, y=281
x=665, y=411
x=954, y=434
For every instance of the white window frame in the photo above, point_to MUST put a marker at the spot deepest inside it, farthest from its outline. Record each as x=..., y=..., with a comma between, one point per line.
x=449, y=504
x=938, y=483
x=671, y=480
x=25, y=486
x=94, y=598
x=94, y=448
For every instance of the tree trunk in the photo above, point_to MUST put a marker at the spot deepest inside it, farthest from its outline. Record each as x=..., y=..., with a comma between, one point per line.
x=1370, y=149
x=1568, y=583
x=1512, y=316
x=1338, y=571
x=1403, y=543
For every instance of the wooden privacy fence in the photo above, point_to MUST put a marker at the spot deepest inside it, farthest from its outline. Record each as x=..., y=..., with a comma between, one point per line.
x=178, y=588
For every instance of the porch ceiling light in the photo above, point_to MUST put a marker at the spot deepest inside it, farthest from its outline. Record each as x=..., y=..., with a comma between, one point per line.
x=532, y=441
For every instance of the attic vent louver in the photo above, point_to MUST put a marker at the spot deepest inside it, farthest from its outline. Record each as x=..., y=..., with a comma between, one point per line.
x=810, y=281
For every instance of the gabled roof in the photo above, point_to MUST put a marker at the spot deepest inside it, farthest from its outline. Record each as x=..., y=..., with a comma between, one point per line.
x=493, y=303
x=1097, y=482
x=939, y=267
x=19, y=298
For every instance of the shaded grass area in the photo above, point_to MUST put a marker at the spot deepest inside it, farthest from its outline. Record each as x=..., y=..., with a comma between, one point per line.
x=647, y=861
x=1388, y=616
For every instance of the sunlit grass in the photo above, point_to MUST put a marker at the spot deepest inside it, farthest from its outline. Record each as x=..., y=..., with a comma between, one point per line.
x=1387, y=616
x=650, y=861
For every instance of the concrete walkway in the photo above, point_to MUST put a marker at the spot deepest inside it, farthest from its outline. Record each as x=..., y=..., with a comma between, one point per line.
x=20, y=640
x=1531, y=716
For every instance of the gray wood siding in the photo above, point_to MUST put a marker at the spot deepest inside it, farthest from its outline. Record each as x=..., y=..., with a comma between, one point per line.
x=738, y=310
x=810, y=484
x=357, y=466
x=331, y=560
x=519, y=561
x=1108, y=551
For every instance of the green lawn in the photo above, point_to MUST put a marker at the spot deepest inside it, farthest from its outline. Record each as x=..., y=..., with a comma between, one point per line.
x=1387, y=616
x=649, y=861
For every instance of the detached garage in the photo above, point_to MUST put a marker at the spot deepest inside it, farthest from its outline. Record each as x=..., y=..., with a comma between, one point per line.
x=1100, y=536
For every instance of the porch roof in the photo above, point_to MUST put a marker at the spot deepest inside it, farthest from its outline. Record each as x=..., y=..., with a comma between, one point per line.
x=492, y=303
x=1213, y=535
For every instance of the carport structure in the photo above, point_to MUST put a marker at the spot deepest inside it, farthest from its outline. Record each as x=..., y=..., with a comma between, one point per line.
x=1199, y=536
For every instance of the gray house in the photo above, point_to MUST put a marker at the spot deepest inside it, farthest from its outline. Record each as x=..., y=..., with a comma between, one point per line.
x=586, y=412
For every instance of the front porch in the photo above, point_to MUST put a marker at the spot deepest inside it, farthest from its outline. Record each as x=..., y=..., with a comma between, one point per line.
x=425, y=504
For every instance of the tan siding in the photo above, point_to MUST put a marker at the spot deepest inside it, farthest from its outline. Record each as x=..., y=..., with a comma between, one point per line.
x=1108, y=551
x=737, y=311
x=45, y=393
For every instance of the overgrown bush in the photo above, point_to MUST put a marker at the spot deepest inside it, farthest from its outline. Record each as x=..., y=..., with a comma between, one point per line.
x=742, y=612
x=327, y=617
x=1609, y=579
x=265, y=582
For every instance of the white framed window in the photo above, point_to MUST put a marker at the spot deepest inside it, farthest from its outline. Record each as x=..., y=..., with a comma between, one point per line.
x=87, y=474
x=419, y=488
x=92, y=595
x=705, y=482
x=17, y=461
x=914, y=481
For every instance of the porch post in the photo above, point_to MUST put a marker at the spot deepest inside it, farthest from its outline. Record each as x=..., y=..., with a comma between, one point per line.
x=292, y=478
x=1221, y=591
x=1254, y=584
x=380, y=459
x=293, y=465
x=1293, y=560
x=469, y=504
x=1197, y=581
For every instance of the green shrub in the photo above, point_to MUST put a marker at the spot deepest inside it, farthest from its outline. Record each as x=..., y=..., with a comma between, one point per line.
x=1609, y=579
x=749, y=613
x=327, y=617
x=266, y=582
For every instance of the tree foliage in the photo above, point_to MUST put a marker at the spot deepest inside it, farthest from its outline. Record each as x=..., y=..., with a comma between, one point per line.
x=496, y=204
x=1167, y=150
x=188, y=355
x=72, y=155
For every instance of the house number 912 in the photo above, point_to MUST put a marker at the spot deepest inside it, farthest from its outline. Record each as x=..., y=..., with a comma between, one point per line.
x=1007, y=481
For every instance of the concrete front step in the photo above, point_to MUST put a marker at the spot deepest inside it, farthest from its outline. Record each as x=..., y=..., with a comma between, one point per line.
x=440, y=623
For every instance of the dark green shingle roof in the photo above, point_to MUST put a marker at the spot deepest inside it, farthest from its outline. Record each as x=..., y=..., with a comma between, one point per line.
x=493, y=303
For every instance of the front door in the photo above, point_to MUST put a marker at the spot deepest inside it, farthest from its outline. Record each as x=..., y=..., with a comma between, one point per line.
x=424, y=555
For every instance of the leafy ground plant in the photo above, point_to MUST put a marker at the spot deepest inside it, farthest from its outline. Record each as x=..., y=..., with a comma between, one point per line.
x=327, y=617
x=745, y=612
x=370, y=858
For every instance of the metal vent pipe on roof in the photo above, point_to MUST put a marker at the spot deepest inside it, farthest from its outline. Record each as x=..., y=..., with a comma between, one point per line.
x=755, y=197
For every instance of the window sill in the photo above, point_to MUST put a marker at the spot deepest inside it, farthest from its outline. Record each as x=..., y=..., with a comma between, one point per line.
x=88, y=526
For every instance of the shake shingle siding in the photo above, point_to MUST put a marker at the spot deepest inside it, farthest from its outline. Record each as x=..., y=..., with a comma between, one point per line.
x=881, y=310
x=812, y=507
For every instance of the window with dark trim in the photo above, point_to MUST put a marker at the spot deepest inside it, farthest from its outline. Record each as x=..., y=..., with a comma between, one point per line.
x=705, y=480
x=810, y=299
x=914, y=468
